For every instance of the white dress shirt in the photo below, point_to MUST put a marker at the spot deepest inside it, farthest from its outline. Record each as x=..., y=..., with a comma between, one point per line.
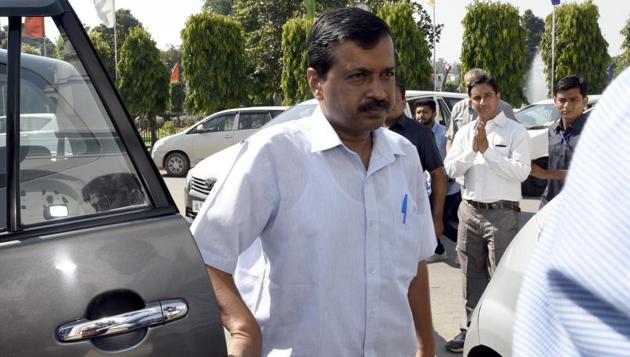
x=340, y=251
x=496, y=174
x=575, y=296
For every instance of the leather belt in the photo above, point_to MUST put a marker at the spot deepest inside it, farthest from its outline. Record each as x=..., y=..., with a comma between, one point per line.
x=495, y=205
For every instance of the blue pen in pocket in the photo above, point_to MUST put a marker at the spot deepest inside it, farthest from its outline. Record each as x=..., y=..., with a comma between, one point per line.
x=404, y=209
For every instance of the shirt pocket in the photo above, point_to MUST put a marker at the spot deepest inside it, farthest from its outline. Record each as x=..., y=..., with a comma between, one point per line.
x=408, y=243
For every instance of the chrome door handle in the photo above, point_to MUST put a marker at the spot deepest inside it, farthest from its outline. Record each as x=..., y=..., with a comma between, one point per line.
x=153, y=314
x=228, y=136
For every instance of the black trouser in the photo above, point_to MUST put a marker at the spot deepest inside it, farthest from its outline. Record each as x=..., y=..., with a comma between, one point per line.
x=450, y=215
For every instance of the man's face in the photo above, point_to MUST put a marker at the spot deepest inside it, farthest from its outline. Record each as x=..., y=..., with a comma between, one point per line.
x=425, y=115
x=484, y=100
x=570, y=103
x=359, y=88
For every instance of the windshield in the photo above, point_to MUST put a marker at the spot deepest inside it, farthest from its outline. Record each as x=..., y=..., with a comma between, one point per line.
x=537, y=115
x=297, y=112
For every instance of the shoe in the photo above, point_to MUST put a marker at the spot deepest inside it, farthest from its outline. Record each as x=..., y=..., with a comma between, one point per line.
x=457, y=343
x=437, y=258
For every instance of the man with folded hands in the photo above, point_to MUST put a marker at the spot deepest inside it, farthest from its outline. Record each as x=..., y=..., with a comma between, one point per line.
x=489, y=158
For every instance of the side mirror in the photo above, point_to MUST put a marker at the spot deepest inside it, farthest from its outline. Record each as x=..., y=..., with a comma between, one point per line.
x=200, y=130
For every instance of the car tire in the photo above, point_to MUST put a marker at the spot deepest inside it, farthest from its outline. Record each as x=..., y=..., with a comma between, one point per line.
x=176, y=164
x=534, y=187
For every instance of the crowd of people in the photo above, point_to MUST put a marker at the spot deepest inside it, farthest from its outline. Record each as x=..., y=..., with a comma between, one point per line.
x=342, y=208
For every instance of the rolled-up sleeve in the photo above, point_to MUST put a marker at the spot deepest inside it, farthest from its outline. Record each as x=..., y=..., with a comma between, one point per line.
x=238, y=210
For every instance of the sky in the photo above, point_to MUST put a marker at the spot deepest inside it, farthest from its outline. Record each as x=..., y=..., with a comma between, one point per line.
x=164, y=20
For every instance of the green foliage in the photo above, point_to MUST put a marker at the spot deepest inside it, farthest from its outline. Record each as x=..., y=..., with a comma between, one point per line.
x=142, y=77
x=214, y=63
x=495, y=41
x=423, y=19
x=450, y=86
x=125, y=22
x=412, y=51
x=580, y=47
x=262, y=22
x=176, y=96
x=169, y=128
x=172, y=56
x=535, y=27
x=221, y=7
x=623, y=60
x=30, y=49
x=294, y=61
x=104, y=51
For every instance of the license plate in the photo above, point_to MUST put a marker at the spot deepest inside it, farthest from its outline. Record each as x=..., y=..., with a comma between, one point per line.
x=196, y=205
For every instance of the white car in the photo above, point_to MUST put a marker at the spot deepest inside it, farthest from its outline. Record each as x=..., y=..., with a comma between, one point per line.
x=490, y=330
x=202, y=177
x=179, y=152
x=537, y=118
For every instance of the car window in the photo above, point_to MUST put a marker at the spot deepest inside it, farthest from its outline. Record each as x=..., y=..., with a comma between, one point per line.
x=252, y=120
x=450, y=102
x=297, y=112
x=221, y=123
x=445, y=112
x=539, y=115
x=72, y=162
x=275, y=113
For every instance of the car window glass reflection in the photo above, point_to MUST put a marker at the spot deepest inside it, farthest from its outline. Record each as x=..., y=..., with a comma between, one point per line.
x=72, y=161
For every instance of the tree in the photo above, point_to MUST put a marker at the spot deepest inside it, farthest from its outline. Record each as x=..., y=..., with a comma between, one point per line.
x=495, y=41
x=172, y=56
x=623, y=60
x=535, y=27
x=423, y=22
x=125, y=21
x=412, y=51
x=104, y=51
x=294, y=61
x=580, y=47
x=262, y=22
x=221, y=7
x=214, y=63
x=142, y=77
x=176, y=97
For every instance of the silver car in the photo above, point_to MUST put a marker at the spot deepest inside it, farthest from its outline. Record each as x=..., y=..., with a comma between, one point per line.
x=94, y=257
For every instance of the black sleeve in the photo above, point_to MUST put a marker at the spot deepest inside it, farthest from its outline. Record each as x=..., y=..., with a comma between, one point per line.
x=430, y=157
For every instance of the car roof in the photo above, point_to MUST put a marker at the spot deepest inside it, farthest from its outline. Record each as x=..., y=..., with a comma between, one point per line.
x=592, y=98
x=417, y=93
x=248, y=109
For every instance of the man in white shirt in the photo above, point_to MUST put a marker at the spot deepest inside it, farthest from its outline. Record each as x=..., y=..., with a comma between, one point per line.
x=490, y=158
x=341, y=211
x=463, y=112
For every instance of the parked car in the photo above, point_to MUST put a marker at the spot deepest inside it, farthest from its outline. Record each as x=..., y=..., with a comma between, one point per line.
x=202, y=178
x=94, y=256
x=537, y=118
x=490, y=330
x=179, y=152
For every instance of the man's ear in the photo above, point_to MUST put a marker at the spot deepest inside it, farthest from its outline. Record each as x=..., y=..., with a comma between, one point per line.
x=315, y=83
x=499, y=95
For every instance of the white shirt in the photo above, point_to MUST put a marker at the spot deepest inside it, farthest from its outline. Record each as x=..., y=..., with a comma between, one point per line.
x=575, y=296
x=496, y=174
x=340, y=251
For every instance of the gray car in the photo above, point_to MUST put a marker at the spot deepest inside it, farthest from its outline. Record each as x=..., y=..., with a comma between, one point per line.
x=94, y=257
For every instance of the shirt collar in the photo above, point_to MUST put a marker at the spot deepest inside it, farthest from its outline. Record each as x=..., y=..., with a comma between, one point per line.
x=401, y=121
x=324, y=137
x=576, y=126
x=499, y=119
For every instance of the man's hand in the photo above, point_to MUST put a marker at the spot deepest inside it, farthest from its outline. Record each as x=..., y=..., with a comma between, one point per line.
x=244, y=346
x=538, y=172
x=482, y=139
x=426, y=352
x=439, y=226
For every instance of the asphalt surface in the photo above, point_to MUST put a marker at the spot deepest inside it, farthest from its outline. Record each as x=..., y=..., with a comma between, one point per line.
x=444, y=276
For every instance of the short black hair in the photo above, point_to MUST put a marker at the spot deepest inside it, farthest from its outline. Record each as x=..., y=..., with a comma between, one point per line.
x=570, y=82
x=425, y=102
x=337, y=26
x=481, y=80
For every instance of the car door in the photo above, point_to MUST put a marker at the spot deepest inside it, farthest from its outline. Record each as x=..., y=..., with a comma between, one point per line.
x=249, y=123
x=94, y=257
x=212, y=135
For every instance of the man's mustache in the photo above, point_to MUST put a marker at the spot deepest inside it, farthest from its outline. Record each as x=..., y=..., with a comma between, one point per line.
x=374, y=104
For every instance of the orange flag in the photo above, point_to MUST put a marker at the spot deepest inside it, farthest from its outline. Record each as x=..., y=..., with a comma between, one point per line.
x=34, y=27
x=175, y=73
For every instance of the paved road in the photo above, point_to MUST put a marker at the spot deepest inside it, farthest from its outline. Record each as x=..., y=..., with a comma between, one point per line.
x=444, y=277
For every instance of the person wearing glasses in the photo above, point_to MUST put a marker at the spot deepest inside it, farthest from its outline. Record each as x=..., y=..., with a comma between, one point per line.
x=569, y=96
